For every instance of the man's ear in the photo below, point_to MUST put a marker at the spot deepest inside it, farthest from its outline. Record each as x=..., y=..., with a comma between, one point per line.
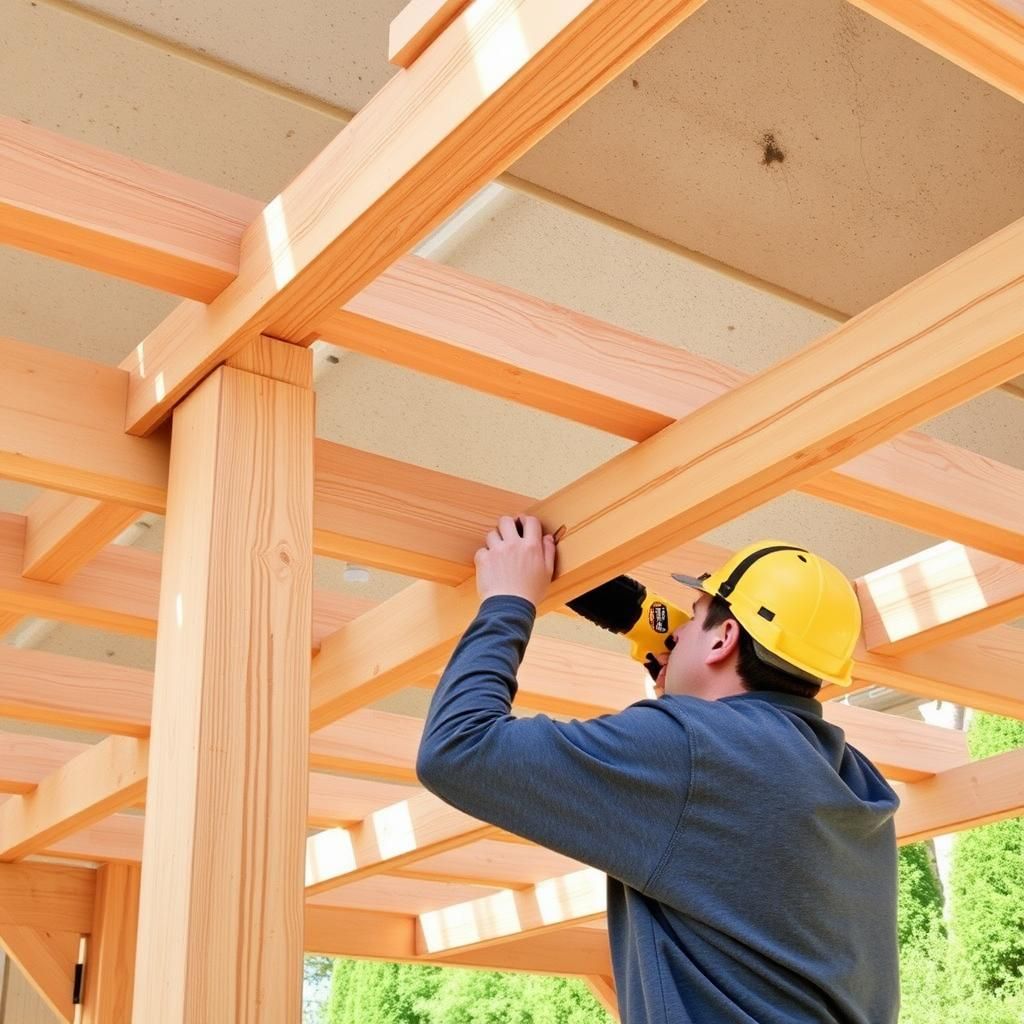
x=726, y=640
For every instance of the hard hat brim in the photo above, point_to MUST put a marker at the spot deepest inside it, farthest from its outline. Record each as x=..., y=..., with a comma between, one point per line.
x=691, y=581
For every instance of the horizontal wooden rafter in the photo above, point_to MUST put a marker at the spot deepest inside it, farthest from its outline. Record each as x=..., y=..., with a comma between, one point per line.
x=441, y=321
x=102, y=779
x=83, y=204
x=945, y=592
x=433, y=136
x=950, y=335
x=47, y=896
x=985, y=37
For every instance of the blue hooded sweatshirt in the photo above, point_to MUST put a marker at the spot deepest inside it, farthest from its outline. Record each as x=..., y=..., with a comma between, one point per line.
x=750, y=851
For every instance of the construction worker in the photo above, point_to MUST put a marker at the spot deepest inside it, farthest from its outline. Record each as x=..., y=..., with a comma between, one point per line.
x=750, y=852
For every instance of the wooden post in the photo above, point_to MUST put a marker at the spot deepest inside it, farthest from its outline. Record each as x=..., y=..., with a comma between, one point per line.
x=221, y=915
x=110, y=956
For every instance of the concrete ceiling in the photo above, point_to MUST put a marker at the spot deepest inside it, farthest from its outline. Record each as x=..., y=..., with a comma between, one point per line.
x=894, y=161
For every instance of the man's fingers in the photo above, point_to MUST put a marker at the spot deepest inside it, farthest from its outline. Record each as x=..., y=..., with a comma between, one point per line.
x=531, y=528
x=507, y=528
x=492, y=540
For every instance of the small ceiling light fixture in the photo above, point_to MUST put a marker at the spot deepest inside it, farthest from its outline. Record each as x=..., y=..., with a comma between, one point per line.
x=356, y=574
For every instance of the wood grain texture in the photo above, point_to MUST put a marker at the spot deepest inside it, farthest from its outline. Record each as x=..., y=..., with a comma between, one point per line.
x=47, y=960
x=47, y=896
x=417, y=25
x=555, y=903
x=936, y=595
x=100, y=780
x=602, y=988
x=48, y=397
x=110, y=956
x=266, y=357
x=26, y=760
x=78, y=203
x=950, y=335
x=441, y=321
x=973, y=794
x=434, y=135
x=64, y=531
x=390, y=838
x=985, y=37
x=220, y=932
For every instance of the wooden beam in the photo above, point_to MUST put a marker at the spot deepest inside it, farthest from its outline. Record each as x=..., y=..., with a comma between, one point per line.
x=220, y=927
x=441, y=321
x=602, y=988
x=950, y=335
x=64, y=531
x=973, y=794
x=82, y=204
x=940, y=594
x=47, y=959
x=101, y=780
x=337, y=931
x=417, y=25
x=110, y=953
x=984, y=37
x=982, y=671
x=433, y=136
x=47, y=896
x=387, y=839
x=555, y=903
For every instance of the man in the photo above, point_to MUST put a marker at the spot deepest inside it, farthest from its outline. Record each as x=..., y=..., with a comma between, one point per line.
x=750, y=852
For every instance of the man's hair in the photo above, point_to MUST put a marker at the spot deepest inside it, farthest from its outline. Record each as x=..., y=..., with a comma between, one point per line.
x=754, y=673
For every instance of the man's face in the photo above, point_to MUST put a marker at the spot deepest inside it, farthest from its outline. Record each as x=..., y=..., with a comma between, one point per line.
x=684, y=666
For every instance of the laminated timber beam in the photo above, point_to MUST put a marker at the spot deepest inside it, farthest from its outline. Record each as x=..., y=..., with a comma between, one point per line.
x=496, y=81
x=985, y=37
x=441, y=321
x=950, y=335
x=106, y=212
x=220, y=920
x=50, y=896
x=417, y=25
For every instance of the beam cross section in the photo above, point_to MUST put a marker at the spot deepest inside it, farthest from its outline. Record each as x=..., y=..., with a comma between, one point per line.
x=220, y=926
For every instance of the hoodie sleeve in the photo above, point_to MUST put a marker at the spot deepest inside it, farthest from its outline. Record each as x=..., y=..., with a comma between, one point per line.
x=609, y=792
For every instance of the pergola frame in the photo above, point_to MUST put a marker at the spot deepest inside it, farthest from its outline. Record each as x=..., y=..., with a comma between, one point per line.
x=231, y=741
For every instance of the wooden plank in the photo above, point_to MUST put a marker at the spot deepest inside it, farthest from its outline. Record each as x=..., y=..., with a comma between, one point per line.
x=110, y=956
x=940, y=594
x=47, y=896
x=220, y=926
x=47, y=959
x=554, y=903
x=441, y=321
x=985, y=37
x=49, y=396
x=433, y=136
x=64, y=531
x=982, y=671
x=973, y=794
x=417, y=25
x=602, y=988
x=26, y=760
x=953, y=333
x=389, y=838
x=99, y=781
x=119, y=590
x=82, y=204
x=335, y=931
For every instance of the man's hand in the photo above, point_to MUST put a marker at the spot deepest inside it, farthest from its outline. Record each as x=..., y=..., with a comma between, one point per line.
x=521, y=566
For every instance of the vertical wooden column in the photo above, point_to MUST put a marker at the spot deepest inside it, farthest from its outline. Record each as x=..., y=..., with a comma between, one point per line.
x=110, y=953
x=221, y=909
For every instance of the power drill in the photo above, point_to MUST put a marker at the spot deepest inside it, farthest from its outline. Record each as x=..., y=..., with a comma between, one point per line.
x=623, y=606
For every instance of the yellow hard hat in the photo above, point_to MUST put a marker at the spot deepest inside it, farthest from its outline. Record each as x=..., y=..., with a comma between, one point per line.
x=801, y=611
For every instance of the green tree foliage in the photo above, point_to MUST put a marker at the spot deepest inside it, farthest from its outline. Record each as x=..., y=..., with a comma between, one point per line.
x=364, y=992
x=920, y=895
x=987, y=879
